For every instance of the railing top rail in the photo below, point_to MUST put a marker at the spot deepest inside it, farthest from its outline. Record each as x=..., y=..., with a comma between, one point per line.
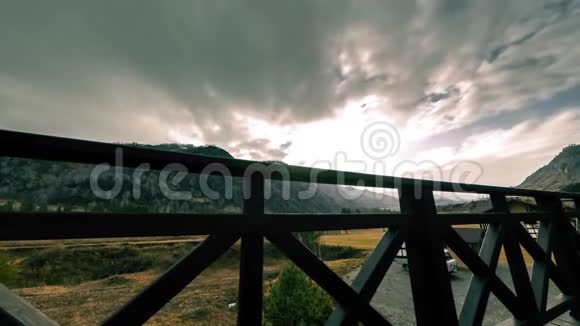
x=42, y=147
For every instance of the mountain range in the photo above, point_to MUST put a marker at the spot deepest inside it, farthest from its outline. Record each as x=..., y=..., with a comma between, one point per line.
x=41, y=185
x=562, y=173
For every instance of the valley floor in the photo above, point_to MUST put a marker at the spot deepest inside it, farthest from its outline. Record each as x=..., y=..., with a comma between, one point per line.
x=205, y=301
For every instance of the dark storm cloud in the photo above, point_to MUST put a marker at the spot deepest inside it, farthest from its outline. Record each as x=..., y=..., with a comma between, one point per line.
x=549, y=12
x=207, y=55
x=150, y=70
x=285, y=145
x=531, y=62
x=436, y=97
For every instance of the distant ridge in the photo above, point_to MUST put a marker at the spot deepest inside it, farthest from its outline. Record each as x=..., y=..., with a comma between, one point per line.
x=42, y=185
x=208, y=150
x=561, y=174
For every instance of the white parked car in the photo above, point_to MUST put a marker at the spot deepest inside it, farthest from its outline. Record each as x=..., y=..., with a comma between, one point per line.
x=451, y=263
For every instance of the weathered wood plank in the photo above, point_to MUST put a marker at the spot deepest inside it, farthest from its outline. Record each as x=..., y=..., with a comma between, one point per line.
x=16, y=311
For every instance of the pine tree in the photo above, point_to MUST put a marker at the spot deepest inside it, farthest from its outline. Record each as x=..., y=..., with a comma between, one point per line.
x=295, y=300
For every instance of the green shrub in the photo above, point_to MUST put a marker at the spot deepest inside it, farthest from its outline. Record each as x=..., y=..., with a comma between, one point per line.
x=340, y=252
x=327, y=252
x=8, y=272
x=73, y=266
x=116, y=280
x=295, y=300
x=311, y=240
x=200, y=314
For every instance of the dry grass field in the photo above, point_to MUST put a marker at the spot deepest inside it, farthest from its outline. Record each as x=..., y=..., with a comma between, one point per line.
x=361, y=239
x=368, y=239
x=74, y=243
x=203, y=302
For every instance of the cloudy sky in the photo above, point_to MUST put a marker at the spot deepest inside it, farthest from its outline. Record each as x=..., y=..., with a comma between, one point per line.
x=491, y=87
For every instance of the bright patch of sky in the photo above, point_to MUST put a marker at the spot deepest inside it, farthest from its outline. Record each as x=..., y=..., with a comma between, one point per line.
x=494, y=84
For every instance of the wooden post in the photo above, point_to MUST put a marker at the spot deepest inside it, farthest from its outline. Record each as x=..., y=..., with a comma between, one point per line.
x=430, y=282
x=565, y=250
x=252, y=257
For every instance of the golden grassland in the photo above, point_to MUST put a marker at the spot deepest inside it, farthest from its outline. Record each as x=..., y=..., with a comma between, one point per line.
x=368, y=239
x=360, y=239
x=73, y=243
x=203, y=302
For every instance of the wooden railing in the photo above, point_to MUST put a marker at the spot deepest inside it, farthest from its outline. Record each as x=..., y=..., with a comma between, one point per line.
x=425, y=232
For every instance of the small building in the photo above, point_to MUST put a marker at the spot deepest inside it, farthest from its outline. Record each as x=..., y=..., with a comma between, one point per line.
x=515, y=204
x=523, y=205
